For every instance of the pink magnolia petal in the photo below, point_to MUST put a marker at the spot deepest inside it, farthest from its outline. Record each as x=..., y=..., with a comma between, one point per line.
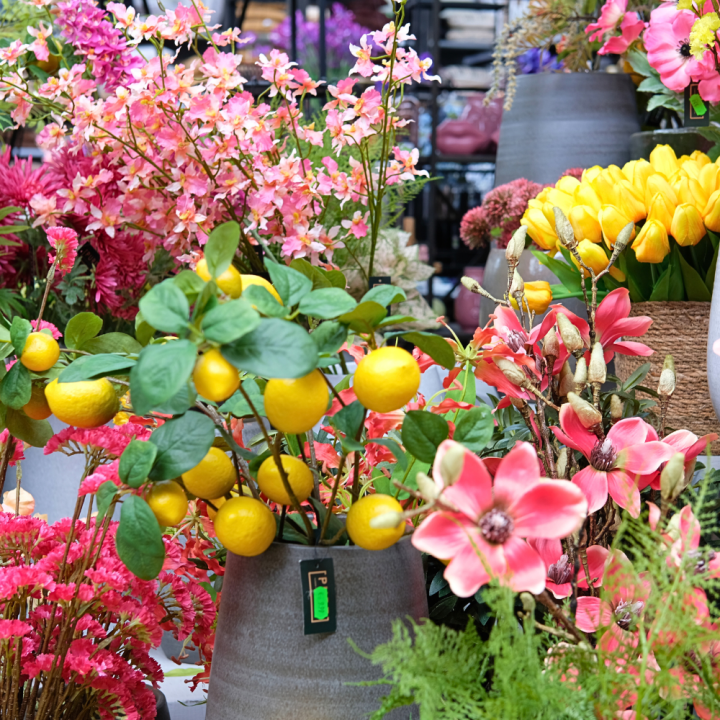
x=444, y=535
x=632, y=326
x=594, y=486
x=653, y=515
x=645, y=457
x=559, y=591
x=592, y=613
x=632, y=348
x=596, y=558
x=630, y=431
x=615, y=306
x=517, y=471
x=549, y=509
x=525, y=568
x=549, y=549
x=474, y=566
x=624, y=491
x=507, y=321
x=689, y=529
x=540, y=331
x=574, y=434
x=578, y=322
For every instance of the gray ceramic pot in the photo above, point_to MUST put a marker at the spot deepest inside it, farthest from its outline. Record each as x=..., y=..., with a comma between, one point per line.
x=265, y=668
x=566, y=120
x=684, y=141
x=713, y=360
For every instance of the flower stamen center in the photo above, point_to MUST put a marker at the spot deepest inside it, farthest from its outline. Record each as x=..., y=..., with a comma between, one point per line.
x=603, y=455
x=627, y=613
x=496, y=526
x=560, y=572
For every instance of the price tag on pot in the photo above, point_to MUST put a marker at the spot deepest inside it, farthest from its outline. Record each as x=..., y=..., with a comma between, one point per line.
x=318, y=584
x=696, y=111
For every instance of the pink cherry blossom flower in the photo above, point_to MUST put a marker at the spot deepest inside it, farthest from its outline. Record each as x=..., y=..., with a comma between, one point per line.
x=13, y=52
x=64, y=241
x=630, y=450
x=364, y=65
x=482, y=522
x=39, y=46
x=358, y=225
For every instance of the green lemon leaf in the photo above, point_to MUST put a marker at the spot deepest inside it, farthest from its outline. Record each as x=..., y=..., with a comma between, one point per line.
x=336, y=278
x=34, y=432
x=262, y=300
x=329, y=337
x=139, y=540
x=422, y=433
x=291, y=285
x=104, y=497
x=385, y=295
x=438, y=348
x=136, y=462
x=230, y=321
x=166, y=308
x=92, y=367
x=182, y=443
x=19, y=331
x=220, y=247
x=114, y=342
x=162, y=370
x=475, y=428
x=348, y=420
x=238, y=405
x=365, y=317
x=318, y=276
x=266, y=351
x=327, y=303
x=16, y=387
x=190, y=283
x=82, y=327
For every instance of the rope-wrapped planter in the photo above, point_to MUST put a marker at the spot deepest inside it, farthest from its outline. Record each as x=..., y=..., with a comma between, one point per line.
x=679, y=329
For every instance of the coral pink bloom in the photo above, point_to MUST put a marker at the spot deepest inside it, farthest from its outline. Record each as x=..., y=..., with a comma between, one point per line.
x=483, y=522
x=667, y=41
x=560, y=571
x=687, y=443
x=611, y=13
x=630, y=28
x=64, y=241
x=630, y=449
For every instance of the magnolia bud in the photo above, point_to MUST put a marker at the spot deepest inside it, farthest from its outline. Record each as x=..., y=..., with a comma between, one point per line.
x=616, y=408
x=564, y=229
x=517, y=287
x=474, y=287
x=562, y=463
x=588, y=415
x=666, y=386
x=515, y=247
x=451, y=464
x=387, y=520
x=428, y=489
x=567, y=381
x=672, y=477
x=569, y=333
x=528, y=602
x=597, y=371
x=551, y=346
x=581, y=373
x=623, y=238
x=511, y=371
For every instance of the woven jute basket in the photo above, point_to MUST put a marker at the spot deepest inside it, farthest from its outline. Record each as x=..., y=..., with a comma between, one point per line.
x=679, y=329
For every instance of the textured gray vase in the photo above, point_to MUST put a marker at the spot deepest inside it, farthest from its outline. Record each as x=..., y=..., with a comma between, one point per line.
x=566, y=120
x=713, y=360
x=265, y=668
x=684, y=141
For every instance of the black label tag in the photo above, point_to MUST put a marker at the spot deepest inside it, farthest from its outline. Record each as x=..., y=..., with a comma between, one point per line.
x=318, y=584
x=697, y=113
x=376, y=280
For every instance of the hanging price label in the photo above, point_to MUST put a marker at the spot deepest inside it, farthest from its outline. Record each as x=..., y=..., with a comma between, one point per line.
x=318, y=584
x=696, y=111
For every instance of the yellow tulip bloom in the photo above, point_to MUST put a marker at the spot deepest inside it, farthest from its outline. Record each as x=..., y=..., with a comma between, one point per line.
x=538, y=296
x=612, y=221
x=567, y=184
x=560, y=199
x=690, y=169
x=687, y=225
x=710, y=178
x=615, y=173
x=700, y=158
x=652, y=244
x=711, y=213
x=690, y=192
x=585, y=195
x=589, y=174
x=604, y=185
x=661, y=211
x=664, y=160
x=594, y=257
x=642, y=170
x=629, y=202
x=658, y=184
x=585, y=224
x=628, y=169
x=539, y=229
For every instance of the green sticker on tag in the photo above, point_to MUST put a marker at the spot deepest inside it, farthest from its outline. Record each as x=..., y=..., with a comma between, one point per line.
x=698, y=104
x=321, y=606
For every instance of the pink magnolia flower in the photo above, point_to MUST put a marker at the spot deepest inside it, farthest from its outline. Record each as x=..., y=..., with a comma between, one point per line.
x=560, y=571
x=64, y=241
x=630, y=450
x=483, y=521
x=613, y=12
x=631, y=27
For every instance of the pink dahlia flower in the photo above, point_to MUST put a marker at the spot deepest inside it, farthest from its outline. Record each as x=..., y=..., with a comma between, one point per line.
x=617, y=462
x=64, y=241
x=483, y=521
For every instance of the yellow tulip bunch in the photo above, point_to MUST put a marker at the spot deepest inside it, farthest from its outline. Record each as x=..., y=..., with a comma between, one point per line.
x=675, y=197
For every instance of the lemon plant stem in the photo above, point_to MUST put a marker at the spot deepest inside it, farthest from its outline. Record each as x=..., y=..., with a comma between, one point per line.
x=336, y=487
x=5, y=461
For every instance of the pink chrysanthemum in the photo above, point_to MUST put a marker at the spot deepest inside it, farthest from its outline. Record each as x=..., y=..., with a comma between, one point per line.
x=64, y=241
x=474, y=228
x=18, y=452
x=573, y=172
x=45, y=325
x=19, y=182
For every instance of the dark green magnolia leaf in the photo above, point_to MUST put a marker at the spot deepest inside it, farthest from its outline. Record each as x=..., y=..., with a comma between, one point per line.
x=34, y=432
x=694, y=284
x=262, y=300
x=637, y=377
x=104, y=497
x=19, y=331
x=136, y=462
x=329, y=337
x=162, y=370
x=229, y=321
x=16, y=387
x=182, y=443
x=275, y=349
x=166, y=308
x=365, y=317
x=291, y=285
x=220, y=247
x=393, y=447
x=114, y=342
x=92, y=367
x=422, y=433
x=82, y=327
x=327, y=303
x=475, y=428
x=348, y=420
x=139, y=540
x=438, y=348
x=385, y=295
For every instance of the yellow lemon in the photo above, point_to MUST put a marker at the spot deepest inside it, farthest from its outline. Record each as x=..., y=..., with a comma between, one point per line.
x=359, y=517
x=229, y=282
x=245, y=526
x=299, y=476
x=248, y=280
x=386, y=379
x=294, y=406
x=86, y=404
x=40, y=353
x=212, y=477
x=37, y=407
x=217, y=502
x=168, y=502
x=214, y=377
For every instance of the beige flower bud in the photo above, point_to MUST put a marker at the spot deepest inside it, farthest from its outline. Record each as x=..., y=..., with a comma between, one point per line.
x=551, y=346
x=666, y=386
x=516, y=246
x=672, y=477
x=475, y=287
x=387, y=520
x=511, y=371
x=597, y=370
x=426, y=486
x=569, y=333
x=567, y=380
x=562, y=464
x=452, y=463
x=581, y=373
x=27, y=502
x=588, y=415
x=564, y=229
x=623, y=238
x=518, y=285
x=616, y=408
x=528, y=602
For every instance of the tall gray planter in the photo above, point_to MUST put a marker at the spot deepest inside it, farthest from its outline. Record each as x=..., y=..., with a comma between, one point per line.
x=566, y=120
x=265, y=668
